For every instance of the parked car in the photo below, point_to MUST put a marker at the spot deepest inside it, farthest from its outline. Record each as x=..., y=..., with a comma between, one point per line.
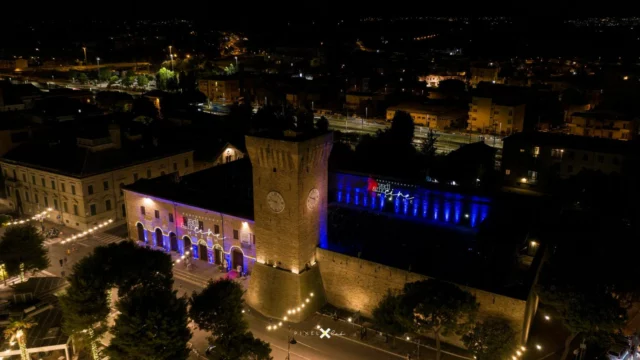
x=618, y=352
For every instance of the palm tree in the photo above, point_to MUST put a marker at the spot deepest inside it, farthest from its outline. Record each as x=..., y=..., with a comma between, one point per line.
x=17, y=330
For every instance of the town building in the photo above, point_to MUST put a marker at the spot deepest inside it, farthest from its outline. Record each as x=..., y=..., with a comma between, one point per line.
x=214, y=155
x=176, y=213
x=484, y=73
x=433, y=80
x=603, y=124
x=437, y=117
x=14, y=64
x=224, y=90
x=83, y=183
x=536, y=159
x=499, y=115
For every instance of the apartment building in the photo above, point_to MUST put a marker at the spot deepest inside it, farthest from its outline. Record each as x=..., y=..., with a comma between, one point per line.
x=603, y=124
x=500, y=115
x=484, y=73
x=83, y=183
x=225, y=90
x=534, y=159
x=432, y=116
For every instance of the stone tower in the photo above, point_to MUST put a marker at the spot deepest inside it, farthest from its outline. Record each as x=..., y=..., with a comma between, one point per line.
x=290, y=175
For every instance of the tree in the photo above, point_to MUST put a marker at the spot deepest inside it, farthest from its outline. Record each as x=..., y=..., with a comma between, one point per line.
x=322, y=125
x=86, y=304
x=385, y=316
x=402, y=128
x=218, y=308
x=152, y=325
x=143, y=106
x=437, y=306
x=104, y=74
x=127, y=79
x=491, y=339
x=18, y=330
x=22, y=244
x=163, y=77
x=243, y=346
x=73, y=75
x=428, y=149
x=143, y=81
x=82, y=78
x=230, y=70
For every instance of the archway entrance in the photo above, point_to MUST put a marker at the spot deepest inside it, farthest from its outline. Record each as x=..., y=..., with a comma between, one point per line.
x=187, y=246
x=159, y=238
x=141, y=233
x=237, y=259
x=174, y=242
x=217, y=256
x=202, y=252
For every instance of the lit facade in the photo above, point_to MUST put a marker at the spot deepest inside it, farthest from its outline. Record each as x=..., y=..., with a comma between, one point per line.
x=212, y=237
x=489, y=115
x=602, y=125
x=14, y=64
x=535, y=159
x=433, y=80
x=227, y=154
x=436, y=118
x=221, y=90
x=484, y=74
x=77, y=201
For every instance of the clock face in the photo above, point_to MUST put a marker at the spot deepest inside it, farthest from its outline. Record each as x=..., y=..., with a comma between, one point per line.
x=275, y=201
x=313, y=199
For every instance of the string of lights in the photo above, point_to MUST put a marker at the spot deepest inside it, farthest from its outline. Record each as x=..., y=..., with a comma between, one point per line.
x=87, y=232
x=291, y=311
x=34, y=217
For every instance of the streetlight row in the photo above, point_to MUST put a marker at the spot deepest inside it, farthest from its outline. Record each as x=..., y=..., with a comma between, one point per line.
x=291, y=311
x=85, y=233
x=34, y=217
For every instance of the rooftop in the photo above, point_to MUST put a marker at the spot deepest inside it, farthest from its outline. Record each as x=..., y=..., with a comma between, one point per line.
x=570, y=142
x=71, y=160
x=226, y=188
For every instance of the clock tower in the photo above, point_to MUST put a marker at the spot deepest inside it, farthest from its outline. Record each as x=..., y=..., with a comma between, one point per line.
x=290, y=175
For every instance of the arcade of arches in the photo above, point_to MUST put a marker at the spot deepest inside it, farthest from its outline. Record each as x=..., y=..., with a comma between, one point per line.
x=234, y=259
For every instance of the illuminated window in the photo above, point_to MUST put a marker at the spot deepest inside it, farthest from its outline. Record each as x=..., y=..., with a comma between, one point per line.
x=557, y=153
x=536, y=151
x=507, y=172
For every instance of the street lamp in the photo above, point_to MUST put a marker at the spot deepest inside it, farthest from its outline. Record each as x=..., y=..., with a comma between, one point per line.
x=291, y=340
x=171, y=56
x=98, y=60
x=236, y=61
x=84, y=49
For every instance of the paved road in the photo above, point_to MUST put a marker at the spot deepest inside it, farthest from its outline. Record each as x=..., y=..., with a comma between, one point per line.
x=309, y=346
x=446, y=141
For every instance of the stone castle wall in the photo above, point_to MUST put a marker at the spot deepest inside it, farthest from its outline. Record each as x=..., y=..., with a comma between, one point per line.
x=358, y=285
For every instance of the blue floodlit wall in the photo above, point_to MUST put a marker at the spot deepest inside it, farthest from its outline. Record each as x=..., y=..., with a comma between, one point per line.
x=407, y=200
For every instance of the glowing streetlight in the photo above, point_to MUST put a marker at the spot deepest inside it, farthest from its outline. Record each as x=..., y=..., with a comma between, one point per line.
x=236, y=61
x=84, y=49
